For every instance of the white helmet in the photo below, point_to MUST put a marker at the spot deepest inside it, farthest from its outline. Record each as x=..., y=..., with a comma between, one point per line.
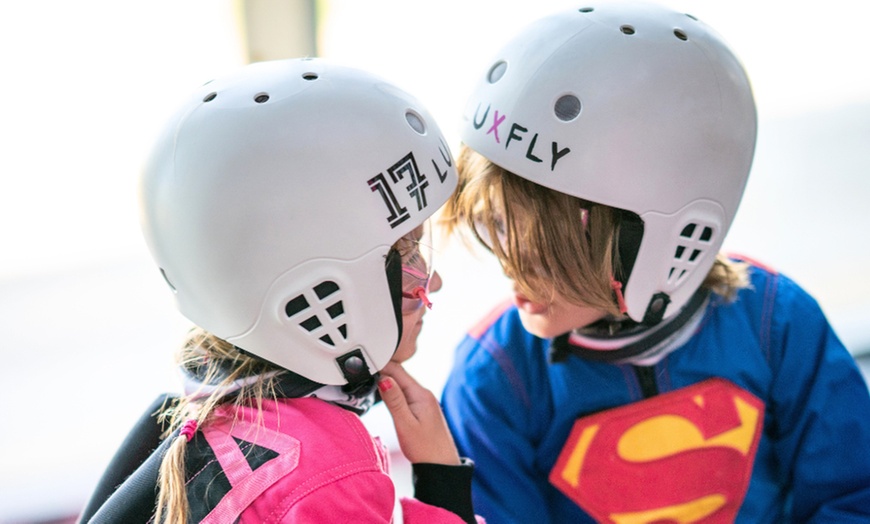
x=271, y=202
x=633, y=106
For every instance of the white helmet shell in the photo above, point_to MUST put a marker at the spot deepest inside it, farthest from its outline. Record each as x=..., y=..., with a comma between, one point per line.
x=272, y=199
x=633, y=106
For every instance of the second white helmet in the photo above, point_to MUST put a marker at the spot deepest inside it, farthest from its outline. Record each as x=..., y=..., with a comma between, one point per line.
x=634, y=106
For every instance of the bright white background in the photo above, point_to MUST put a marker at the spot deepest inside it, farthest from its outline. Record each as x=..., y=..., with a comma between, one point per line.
x=86, y=326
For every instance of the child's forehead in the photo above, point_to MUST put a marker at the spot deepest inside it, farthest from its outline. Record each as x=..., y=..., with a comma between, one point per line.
x=411, y=239
x=417, y=233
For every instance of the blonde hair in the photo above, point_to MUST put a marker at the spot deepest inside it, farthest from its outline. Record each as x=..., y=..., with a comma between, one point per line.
x=220, y=364
x=548, y=241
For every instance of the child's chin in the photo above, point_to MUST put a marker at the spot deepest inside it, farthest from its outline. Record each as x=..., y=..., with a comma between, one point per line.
x=539, y=326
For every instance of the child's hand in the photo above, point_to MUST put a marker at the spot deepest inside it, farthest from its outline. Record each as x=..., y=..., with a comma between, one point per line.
x=420, y=425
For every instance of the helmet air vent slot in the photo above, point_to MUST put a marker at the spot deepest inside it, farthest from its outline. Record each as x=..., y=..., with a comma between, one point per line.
x=679, y=33
x=627, y=29
x=335, y=310
x=691, y=245
x=416, y=122
x=321, y=312
x=325, y=288
x=296, y=305
x=496, y=71
x=567, y=108
x=209, y=97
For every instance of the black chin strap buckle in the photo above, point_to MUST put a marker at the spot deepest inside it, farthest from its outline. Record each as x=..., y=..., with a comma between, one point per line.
x=353, y=367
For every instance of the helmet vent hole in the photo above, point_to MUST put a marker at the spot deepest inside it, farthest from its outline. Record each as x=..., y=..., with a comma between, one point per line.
x=679, y=33
x=692, y=245
x=496, y=71
x=261, y=98
x=416, y=122
x=321, y=313
x=693, y=17
x=567, y=108
x=310, y=76
x=325, y=288
x=586, y=9
x=627, y=29
x=311, y=323
x=209, y=97
x=335, y=310
x=296, y=305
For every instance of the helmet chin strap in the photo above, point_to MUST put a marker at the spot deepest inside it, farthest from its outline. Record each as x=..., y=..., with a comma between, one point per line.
x=615, y=340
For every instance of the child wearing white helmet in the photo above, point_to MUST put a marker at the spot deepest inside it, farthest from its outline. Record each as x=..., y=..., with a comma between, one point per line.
x=286, y=207
x=638, y=375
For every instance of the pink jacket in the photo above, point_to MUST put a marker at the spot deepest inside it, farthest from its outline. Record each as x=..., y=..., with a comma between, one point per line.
x=328, y=469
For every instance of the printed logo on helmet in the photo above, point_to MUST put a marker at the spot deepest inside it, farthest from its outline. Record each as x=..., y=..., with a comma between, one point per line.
x=405, y=182
x=685, y=456
x=517, y=136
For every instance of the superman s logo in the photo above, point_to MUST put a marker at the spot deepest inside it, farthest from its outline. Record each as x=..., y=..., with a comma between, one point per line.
x=682, y=457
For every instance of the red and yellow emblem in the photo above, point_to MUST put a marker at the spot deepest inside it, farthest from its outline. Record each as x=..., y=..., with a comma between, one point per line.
x=682, y=457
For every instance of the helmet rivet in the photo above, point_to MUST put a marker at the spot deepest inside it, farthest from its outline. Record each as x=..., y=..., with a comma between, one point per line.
x=261, y=98
x=354, y=365
x=656, y=309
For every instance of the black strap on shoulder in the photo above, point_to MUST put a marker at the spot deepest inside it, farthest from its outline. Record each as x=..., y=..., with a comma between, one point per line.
x=118, y=485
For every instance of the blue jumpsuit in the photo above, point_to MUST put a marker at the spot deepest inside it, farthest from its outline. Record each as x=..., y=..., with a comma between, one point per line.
x=762, y=416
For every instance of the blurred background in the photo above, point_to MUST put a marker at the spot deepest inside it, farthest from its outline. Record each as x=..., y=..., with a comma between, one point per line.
x=87, y=327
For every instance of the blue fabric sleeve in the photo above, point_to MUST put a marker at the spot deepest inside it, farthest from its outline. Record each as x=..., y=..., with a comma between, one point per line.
x=494, y=415
x=821, y=407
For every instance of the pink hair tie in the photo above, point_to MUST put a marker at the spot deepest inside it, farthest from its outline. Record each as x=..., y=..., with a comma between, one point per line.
x=188, y=429
x=617, y=289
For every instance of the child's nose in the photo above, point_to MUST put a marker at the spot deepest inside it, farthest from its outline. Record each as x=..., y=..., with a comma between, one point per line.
x=435, y=282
